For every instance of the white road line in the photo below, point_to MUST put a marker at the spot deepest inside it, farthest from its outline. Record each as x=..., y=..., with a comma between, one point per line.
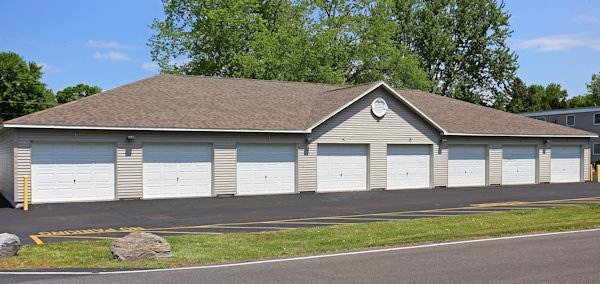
x=296, y=258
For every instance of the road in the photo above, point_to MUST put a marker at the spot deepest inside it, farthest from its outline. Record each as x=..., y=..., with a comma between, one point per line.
x=547, y=258
x=85, y=221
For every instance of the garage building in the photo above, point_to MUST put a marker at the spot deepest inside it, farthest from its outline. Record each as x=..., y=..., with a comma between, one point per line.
x=175, y=136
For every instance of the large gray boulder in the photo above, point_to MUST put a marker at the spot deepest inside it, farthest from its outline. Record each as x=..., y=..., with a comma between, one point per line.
x=139, y=245
x=9, y=244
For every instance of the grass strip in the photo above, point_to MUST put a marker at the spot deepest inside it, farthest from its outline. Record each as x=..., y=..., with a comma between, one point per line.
x=208, y=249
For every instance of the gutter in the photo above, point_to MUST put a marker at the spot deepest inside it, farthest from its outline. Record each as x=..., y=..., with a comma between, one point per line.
x=126, y=128
x=524, y=135
x=133, y=128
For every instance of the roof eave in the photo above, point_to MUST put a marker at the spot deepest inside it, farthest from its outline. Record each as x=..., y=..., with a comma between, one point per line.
x=524, y=135
x=135, y=128
x=560, y=111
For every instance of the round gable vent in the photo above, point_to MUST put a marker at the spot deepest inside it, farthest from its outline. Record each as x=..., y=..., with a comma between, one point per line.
x=379, y=107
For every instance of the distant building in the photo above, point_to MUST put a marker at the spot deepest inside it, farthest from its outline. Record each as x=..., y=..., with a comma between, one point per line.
x=584, y=118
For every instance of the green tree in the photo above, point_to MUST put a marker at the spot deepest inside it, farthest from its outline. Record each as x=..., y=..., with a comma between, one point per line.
x=537, y=97
x=454, y=47
x=501, y=102
x=21, y=91
x=593, y=89
x=379, y=57
x=461, y=44
x=580, y=101
x=592, y=98
x=555, y=97
x=76, y=92
x=298, y=49
x=339, y=42
x=210, y=33
x=520, y=99
x=544, y=98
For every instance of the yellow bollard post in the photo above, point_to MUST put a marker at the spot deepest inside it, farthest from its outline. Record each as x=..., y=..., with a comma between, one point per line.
x=591, y=173
x=26, y=194
x=598, y=173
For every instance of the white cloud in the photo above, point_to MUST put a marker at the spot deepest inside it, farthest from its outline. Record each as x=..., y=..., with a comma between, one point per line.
x=558, y=42
x=112, y=55
x=49, y=69
x=583, y=18
x=108, y=44
x=150, y=66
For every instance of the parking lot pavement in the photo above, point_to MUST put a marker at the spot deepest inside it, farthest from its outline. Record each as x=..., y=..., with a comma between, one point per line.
x=109, y=220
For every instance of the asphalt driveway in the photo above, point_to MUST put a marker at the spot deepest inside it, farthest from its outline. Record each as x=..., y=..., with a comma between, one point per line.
x=77, y=221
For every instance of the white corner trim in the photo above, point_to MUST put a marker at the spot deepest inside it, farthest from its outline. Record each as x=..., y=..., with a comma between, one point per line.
x=390, y=90
x=133, y=128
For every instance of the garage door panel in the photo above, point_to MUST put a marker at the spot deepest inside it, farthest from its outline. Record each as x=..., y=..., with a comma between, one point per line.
x=467, y=165
x=408, y=166
x=341, y=167
x=266, y=169
x=565, y=165
x=519, y=164
x=71, y=171
x=177, y=170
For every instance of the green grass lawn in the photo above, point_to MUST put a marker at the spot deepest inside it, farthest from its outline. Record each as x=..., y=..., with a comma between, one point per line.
x=206, y=249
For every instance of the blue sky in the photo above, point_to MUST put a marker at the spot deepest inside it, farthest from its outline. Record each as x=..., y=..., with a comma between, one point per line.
x=104, y=42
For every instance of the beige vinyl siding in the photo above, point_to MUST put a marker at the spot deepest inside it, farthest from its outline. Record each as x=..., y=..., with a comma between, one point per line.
x=586, y=162
x=378, y=166
x=225, y=168
x=128, y=170
x=23, y=168
x=495, y=164
x=307, y=167
x=440, y=165
x=357, y=125
x=7, y=164
x=544, y=163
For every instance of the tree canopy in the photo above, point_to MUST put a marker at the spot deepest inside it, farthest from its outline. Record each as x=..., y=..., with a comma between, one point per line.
x=460, y=43
x=452, y=47
x=76, y=92
x=21, y=91
x=593, y=89
x=521, y=98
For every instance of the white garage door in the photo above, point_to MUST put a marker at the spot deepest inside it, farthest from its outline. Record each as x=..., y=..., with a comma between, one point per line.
x=518, y=164
x=69, y=172
x=341, y=168
x=266, y=169
x=565, y=164
x=177, y=170
x=466, y=165
x=408, y=166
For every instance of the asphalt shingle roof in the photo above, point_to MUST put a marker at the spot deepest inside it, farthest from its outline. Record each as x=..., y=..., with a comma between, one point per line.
x=197, y=102
x=457, y=116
